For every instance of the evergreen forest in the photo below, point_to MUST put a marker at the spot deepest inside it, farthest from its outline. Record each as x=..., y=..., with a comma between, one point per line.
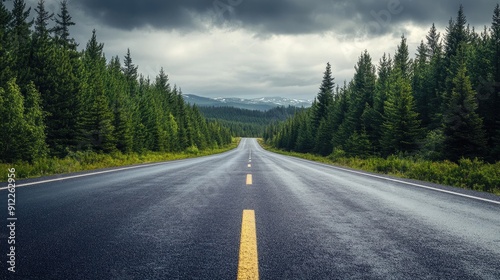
x=247, y=123
x=442, y=104
x=56, y=100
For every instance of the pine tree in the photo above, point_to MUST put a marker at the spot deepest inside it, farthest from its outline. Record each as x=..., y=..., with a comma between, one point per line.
x=129, y=69
x=35, y=124
x=435, y=79
x=324, y=98
x=382, y=84
x=117, y=89
x=339, y=112
x=362, y=91
x=19, y=25
x=20, y=41
x=495, y=42
x=5, y=18
x=95, y=119
x=358, y=145
x=319, y=115
x=6, y=58
x=305, y=137
x=61, y=30
x=380, y=96
x=130, y=72
x=324, y=145
x=12, y=125
x=433, y=42
x=41, y=51
x=456, y=36
x=463, y=128
x=54, y=70
x=456, y=33
x=481, y=69
x=93, y=51
x=401, y=125
x=41, y=22
x=422, y=89
x=493, y=127
x=402, y=60
x=161, y=82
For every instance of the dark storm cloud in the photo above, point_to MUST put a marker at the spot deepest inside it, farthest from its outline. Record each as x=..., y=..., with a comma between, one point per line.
x=284, y=16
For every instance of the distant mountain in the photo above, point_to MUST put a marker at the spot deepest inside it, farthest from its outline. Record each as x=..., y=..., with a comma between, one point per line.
x=261, y=104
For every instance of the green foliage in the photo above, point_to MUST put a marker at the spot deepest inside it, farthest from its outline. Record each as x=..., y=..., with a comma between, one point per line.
x=61, y=30
x=441, y=106
x=88, y=160
x=247, y=123
x=323, y=100
x=359, y=145
x=13, y=125
x=402, y=61
x=22, y=125
x=432, y=146
x=192, y=150
x=463, y=128
x=57, y=102
x=401, y=123
x=36, y=147
x=361, y=92
x=466, y=173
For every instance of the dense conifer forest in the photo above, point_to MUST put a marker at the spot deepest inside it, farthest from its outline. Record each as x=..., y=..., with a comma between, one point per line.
x=443, y=104
x=247, y=123
x=56, y=100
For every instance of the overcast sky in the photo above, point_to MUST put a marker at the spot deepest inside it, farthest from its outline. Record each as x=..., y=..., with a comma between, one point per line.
x=259, y=48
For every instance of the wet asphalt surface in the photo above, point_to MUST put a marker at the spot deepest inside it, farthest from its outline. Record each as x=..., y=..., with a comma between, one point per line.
x=182, y=220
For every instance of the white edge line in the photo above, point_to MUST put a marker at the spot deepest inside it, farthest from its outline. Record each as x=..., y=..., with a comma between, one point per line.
x=85, y=175
x=399, y=181
x=95, y=173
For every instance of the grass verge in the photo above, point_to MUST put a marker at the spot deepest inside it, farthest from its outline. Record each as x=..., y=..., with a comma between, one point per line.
x=82, y=161
x=468, y=174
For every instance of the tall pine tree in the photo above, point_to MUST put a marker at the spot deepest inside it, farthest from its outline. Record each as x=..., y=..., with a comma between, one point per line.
x=95, y=119
x=400, y=130
x=463, y=128
x=63, y=22
x=20, y=41
x=324, y=98
x=321, y=123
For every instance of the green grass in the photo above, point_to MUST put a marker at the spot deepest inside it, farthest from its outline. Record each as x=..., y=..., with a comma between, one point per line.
x=468, y=174
x=82, y=161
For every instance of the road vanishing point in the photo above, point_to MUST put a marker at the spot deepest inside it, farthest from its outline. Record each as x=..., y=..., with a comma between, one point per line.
x=248, y=214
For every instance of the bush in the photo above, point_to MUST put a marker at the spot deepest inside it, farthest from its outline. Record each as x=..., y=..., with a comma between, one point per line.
x=87, y=160
x=337, y=154
x=192, y=150
x=471, y=174
x=432, y=145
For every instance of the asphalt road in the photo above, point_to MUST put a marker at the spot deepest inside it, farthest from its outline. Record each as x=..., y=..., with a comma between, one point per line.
x=183, y=220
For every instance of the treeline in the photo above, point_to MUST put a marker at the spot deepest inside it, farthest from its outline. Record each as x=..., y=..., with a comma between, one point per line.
x=247, y=123
x=55, y=100
x=443, y=104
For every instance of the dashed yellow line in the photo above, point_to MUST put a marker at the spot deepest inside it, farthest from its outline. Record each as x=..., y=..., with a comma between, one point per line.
x=249, y=179
x=248, y=264
x=249, y=165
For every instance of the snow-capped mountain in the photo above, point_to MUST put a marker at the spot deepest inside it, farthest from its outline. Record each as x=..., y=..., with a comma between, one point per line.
x=264, y=103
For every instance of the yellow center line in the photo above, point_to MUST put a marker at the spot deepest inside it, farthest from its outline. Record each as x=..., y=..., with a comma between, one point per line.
x=249, y=165
x=248, y=264
x=249, y=179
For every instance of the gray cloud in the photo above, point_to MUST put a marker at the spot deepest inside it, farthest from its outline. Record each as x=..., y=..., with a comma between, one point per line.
x=259, y=47
x=282, y=16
